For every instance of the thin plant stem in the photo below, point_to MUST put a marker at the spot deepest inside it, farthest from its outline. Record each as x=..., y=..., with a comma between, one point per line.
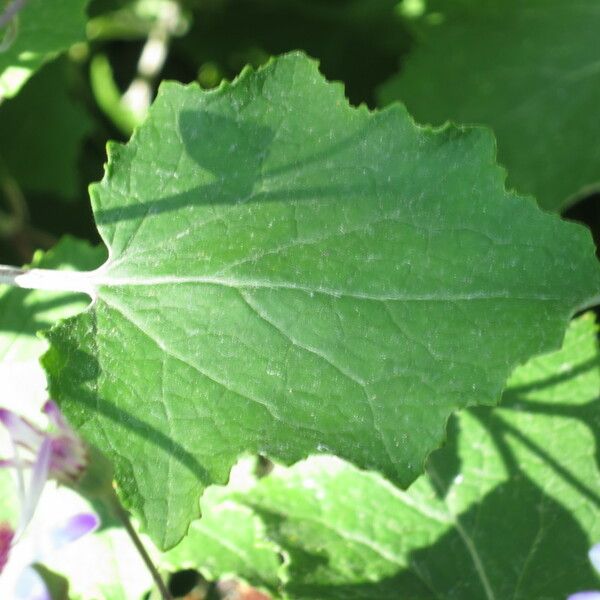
x=138, y=96
x=15, y=225
x=123, y=516
x=13, y=222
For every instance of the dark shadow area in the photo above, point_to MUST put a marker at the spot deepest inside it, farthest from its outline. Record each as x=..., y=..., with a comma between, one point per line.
x=58, y=219
x=308, y=566
x=183, y=582
x=587, y=414
x=517, y=542
x=510, y=543
x=358, y=42
x=587, y=211
x=18, y=317
x=446, y=461
x=513, y=394
x=215, y=143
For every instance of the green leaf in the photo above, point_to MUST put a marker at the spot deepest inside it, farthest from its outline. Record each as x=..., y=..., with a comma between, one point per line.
x=527, y=68
x=290, y=275
x=44, y=29
x=514, y=520
x=56, y=585
x=41, y=132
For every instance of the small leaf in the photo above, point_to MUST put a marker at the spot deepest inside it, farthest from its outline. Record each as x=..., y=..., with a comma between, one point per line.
x=527, y=68
x=290, y=275
x=56, y=585
x=44, y=29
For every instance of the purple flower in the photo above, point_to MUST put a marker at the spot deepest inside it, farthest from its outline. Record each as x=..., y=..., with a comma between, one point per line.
x=594, y=555
x=54, y=454
x=18, y=579
x=58, y=453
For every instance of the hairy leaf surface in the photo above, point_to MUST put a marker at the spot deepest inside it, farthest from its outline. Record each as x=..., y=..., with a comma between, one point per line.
x=530, y=70
x=290, y=275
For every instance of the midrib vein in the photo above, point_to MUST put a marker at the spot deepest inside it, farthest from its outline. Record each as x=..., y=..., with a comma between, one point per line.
x=469, y=544
x=91, y=282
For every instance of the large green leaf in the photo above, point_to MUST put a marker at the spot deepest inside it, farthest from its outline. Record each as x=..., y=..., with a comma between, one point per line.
x=43, y=30
x=508, y=508
x=527, y=68
x=290, y=275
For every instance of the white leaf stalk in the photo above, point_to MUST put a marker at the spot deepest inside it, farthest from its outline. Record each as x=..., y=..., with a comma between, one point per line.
x=48, y=280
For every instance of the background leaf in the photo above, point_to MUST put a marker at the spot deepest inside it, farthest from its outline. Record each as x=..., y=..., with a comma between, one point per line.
x=515, y=522
x=527, y=68
x=41, y=134
x=44, y=29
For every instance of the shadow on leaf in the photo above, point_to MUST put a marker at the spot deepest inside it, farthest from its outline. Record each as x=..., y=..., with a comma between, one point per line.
x=232, y=156
x=516, y=543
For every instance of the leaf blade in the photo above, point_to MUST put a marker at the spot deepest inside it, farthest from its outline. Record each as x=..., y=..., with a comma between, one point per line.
x=289, y=275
